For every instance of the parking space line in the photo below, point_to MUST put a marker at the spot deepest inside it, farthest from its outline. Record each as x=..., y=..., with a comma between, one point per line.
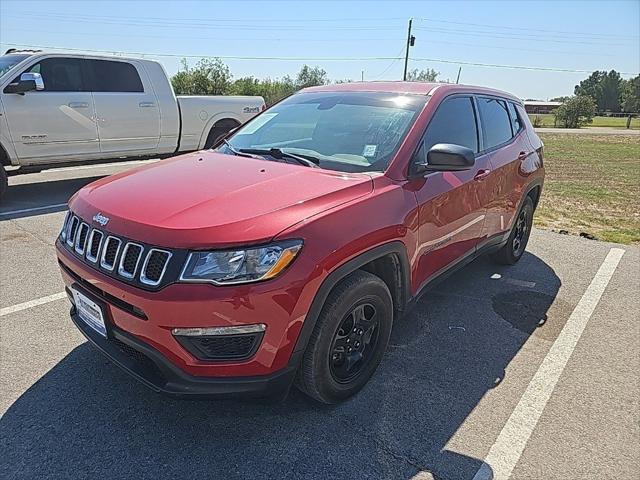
x=512, y=440
x=34, y=209
x=32, y=303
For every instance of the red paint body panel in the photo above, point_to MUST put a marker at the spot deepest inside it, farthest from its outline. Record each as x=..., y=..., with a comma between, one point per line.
x=209, y=200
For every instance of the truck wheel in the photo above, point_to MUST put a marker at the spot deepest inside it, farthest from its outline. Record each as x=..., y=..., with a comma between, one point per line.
x=511, y=252
x=218, y=131
x=349, y=339
x=4, y=182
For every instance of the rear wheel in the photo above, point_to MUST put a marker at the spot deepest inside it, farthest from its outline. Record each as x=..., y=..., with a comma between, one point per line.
x=218, y=131
x=511, y=252
x=349, y=339
x=4, y=182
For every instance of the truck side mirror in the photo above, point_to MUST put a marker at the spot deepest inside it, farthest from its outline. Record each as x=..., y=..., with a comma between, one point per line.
x=28, y=82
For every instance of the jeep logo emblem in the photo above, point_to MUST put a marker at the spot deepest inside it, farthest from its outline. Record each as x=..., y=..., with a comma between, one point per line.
x=101, y=219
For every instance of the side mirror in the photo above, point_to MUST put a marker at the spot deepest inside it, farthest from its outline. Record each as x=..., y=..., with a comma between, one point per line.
x=447, y=157
x=28, y=82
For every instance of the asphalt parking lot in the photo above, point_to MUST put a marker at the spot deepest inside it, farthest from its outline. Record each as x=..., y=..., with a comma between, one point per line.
x=527, y=372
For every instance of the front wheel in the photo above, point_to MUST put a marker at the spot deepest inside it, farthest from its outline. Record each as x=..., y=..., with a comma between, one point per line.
x=349, y=339
x=511, y=252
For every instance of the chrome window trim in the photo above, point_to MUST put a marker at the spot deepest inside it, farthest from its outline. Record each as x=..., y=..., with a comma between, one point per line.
x=90, y=243
x=121, y=270
x=103, y=264
x=143, y=277
x=81, y=249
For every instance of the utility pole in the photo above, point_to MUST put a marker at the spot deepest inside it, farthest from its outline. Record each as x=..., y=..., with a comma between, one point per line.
x=362, y=77
x=459, y=71
x=411, y=41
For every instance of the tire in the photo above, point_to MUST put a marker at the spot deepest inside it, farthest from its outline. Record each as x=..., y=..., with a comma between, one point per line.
x=512, y=251
x=218, y=131
x=4, y=182
x=327, y=372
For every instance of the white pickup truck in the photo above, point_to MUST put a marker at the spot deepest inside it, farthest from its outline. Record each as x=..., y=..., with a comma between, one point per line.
x=64, y=108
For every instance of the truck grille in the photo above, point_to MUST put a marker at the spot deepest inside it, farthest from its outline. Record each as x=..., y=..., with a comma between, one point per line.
x=119, y=257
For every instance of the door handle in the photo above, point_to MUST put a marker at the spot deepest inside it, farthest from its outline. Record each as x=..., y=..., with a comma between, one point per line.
x=482, y=174
x=146, y=104
x=78, y=104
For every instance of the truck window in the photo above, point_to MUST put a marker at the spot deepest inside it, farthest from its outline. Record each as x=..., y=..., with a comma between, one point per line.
x=60, y=74
x=496, y=125
x=112, y=76
x=454, y=122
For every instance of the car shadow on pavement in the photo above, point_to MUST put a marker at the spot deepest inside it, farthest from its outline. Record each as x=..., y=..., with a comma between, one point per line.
x=85, y=418
x=44, y=197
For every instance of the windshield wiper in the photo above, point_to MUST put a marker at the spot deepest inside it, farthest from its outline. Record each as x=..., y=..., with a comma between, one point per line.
x=238, y=153
x=280, y=154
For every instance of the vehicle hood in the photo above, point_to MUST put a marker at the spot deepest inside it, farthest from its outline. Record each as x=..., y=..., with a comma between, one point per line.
x=207, y=199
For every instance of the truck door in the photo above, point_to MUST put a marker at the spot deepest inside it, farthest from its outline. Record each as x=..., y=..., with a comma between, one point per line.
x=54, y=123
x=126, y=107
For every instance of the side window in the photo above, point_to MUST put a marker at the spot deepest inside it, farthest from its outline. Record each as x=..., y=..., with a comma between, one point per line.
x=61, y=74
x=516, y=124
x=111, y=76
x=454, y=122
x=496, y=124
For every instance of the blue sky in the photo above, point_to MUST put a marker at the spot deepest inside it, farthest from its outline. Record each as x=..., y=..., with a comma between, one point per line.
x=570, y=35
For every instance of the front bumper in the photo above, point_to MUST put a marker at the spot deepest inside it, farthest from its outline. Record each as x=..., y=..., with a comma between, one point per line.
x=150, y=367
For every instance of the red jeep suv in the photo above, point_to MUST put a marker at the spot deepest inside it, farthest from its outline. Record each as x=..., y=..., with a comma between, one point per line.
x=284, y=255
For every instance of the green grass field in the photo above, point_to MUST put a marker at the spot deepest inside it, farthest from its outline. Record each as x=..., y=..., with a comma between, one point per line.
x=592, y=185
x=612, y=122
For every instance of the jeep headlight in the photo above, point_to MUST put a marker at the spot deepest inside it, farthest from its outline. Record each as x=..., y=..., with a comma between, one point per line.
x=240, y=265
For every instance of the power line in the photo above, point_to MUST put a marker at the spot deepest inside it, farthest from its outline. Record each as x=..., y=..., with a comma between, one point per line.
x=518, y=29
x=347, y=59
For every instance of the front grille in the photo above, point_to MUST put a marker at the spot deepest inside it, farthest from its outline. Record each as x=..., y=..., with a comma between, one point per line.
x=81, y=241
x=110, y=252
x=129, y=260
x=154, y=266
x=116, y=256
x=222, y=347
x=95, y=242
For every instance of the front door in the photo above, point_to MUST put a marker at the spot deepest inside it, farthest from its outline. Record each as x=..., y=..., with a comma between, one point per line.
x=56, y=122
x=451, y=205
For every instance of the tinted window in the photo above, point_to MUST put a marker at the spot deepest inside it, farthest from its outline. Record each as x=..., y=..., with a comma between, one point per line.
x=454, y=122
x=108, y=76
x=496, y=125
x=516, y=124
x=61, y=74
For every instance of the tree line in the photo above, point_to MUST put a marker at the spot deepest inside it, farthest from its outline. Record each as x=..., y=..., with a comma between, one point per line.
x=213, y=77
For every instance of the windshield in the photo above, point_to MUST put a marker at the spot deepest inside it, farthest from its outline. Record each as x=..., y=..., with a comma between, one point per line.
x=7, y=62
x=344, y=131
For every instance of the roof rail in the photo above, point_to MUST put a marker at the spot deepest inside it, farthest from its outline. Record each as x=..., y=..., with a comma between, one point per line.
x=19, y=50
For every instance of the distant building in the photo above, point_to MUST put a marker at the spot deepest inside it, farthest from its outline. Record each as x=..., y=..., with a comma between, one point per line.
x=532, y=106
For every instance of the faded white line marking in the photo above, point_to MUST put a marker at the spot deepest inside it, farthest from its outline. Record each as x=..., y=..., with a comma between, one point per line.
x=34, y=209
x=32, y=303
x=508, y=447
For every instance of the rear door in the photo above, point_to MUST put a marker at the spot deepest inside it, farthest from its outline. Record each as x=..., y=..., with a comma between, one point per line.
x=126, y=107
x=451, y=205
x=506, y=142
x=56, y=122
